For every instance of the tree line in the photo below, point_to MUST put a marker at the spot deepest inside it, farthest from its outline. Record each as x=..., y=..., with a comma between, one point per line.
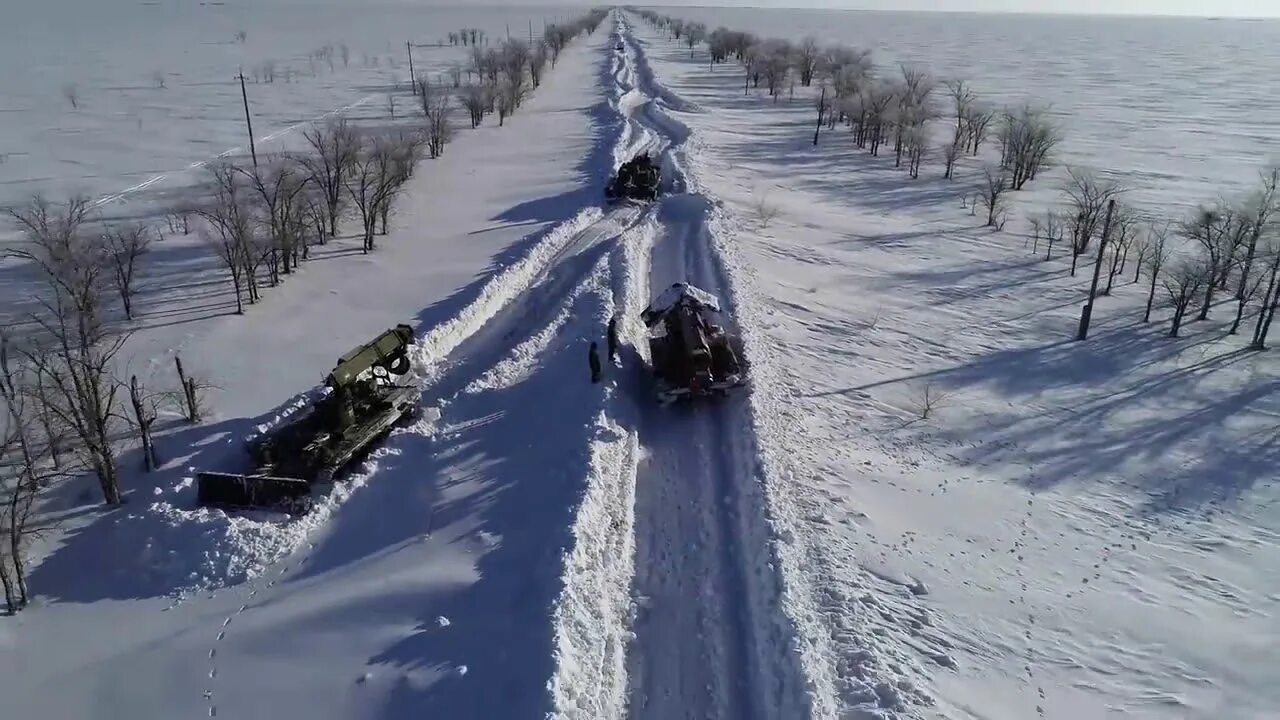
x=64, y=407
x=897, y=108
x=1229, y=247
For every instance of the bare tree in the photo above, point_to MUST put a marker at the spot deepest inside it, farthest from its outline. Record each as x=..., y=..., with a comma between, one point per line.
x=776, y=65
x=230, y=233
x=537, y=63
x=513, y=61
x=510, y=94
x=929, y=400
x=766, y=211
x=994, y=186
x=1183, y=283
x=455, y=75
x=917, y=146
x=977, y=122
x=962, y=100
x=145, y=412
x=334, y=148
x=474, y=101
x=179, y=219
x=555, y=39
x=405, y=151
x=1270, y=302
x=437, y=106
x=74, y=348
x=1087, y=198
x=1027, y=141
x=1124, y=230
x=1259, y=209
x=30, y=467
x=823, y=107
x=1210, y=228
x=277, y=185
x=913, y=107
x=1157, y=254
x=1053, y=231
x=876, y=100
x=807, y=59
x=694, y=34
x=126, y=244
x=950, y=154
x=381, y=168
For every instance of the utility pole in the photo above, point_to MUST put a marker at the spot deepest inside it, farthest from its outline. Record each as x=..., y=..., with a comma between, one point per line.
x=244, y=96
x=1087, y=314
x=530, y=32
x=413, y=80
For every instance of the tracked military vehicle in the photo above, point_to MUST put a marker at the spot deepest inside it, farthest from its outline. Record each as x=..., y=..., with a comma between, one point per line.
x=692, y=355
x=364, y=396
x=636, y=179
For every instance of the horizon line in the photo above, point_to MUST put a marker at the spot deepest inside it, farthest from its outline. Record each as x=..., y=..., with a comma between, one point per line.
x=947, y=11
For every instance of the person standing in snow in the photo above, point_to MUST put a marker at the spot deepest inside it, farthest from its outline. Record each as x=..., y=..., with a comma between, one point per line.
x=593, y=357
x=613, y=339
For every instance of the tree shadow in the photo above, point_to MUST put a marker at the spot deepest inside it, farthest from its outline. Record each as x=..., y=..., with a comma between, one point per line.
x=131, y=552
x=1130, y=406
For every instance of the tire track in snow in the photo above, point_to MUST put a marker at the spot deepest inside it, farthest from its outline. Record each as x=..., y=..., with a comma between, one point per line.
x=707, y=643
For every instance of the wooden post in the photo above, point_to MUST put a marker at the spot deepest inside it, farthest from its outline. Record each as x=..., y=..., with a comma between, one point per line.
x=822, y=106
x=244, y=96
x=413, y=81
x=144, y=425
x=188, y=391
x=1087, y=313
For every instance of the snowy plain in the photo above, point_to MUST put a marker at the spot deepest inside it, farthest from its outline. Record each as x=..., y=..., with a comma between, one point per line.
x=1079, y=531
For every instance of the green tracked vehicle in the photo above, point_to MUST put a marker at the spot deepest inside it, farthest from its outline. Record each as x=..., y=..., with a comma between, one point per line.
x=363, y=401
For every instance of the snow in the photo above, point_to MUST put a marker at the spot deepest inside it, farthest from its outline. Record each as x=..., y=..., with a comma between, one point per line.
x=1036, y=547
x=677, y=292
x=1077, y=530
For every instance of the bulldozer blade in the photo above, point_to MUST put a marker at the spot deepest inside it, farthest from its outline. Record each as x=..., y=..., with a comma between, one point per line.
x=233, y=490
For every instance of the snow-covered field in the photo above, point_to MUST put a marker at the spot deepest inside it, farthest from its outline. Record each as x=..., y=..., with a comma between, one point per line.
x=1077, y=530
x=125, y=129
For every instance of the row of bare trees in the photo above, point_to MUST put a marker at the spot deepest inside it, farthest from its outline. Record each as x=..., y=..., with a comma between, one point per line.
x=899, y=107
x=262, y=220
x=62, y=402
x=1230, y=247
x=505, y=75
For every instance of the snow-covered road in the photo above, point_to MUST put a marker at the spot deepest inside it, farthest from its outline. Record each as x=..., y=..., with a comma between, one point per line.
x=704, y=646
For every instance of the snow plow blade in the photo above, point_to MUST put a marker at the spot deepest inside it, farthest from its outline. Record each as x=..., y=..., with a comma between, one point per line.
x=235, y=491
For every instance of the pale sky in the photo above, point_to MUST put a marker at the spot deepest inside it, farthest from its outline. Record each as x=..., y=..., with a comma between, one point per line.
x=1213, y=8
